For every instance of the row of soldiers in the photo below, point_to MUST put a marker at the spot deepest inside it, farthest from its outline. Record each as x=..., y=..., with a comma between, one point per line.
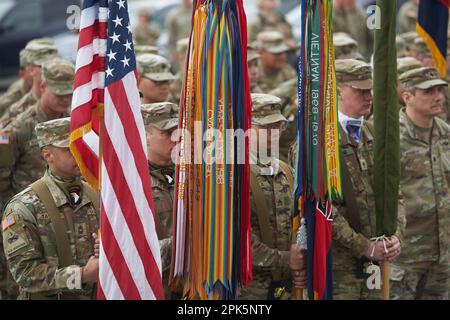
x=31, y=245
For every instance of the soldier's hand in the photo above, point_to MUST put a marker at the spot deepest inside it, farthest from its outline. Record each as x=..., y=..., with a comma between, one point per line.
x=375, y=251
x=89, y=273
x=297, y=258
x=96, y=245
x=299, y=279
x=298, y=267
x=394, y=248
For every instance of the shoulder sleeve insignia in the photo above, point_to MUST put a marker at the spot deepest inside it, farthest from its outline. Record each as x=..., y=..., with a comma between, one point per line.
x=8, y=221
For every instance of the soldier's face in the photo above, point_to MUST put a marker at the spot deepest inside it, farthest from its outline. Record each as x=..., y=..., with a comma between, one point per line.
x=272, y=62
x=253, y=72
x=160, y=145
x=267, y=136
x=426, y=60
x=427, y=103
x=61, y=162
x=55, y=103
x=153, y=91
x=269, y=4
x=353, y=102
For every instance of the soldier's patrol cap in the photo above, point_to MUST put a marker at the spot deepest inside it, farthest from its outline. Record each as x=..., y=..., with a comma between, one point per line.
x=252, y=53
x=420, y=47
x=53, y=133
x=421, y=78
x=407, y=63
x=182, y=45
x=143, y=49
x=409, y=37
x=345, y=47
x=402, y=48
x=39, y=53
x=266, y=109
x=342, y=39
x=154, y=67
x=161, y=115
x=59, y=76
x=45, y=40
x=354, y=73
x=272, y=41
x=23, y=58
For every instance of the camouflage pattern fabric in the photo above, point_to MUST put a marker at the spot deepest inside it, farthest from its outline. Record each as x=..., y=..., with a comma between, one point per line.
x=349, y=244
x=163, y=185
x=407, y=16
x=354, y=23
x=30, y=245
x=13, y=94
x=260, y=24
x=17, y=108
x=425, y=181
x=147, y=36
x=268, y=82
x=277, y=192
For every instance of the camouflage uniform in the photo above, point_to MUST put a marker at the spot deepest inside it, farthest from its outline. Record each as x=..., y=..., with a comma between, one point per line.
x=29, y=236
x=143, y=49
x=38, y=54
x=422, y=270
x=178, y=24
x=345, y=47
x=351, y=235
x=273, y=42
x=22, y=162
x=147, y=36
x=270, y=264
x=407, y=16
x=177, y=84
x=12, y=94
x=354, y=23
x=260, y=24
x=288, y=93
x=402, y=48
x=163, y=116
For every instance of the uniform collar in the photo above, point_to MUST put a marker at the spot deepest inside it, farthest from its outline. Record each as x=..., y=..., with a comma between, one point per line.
x=59, y=189
x=411, y=128
x=166, y=174
x=272, y=168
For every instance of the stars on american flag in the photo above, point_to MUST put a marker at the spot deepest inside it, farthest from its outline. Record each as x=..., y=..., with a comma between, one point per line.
x=120, y=54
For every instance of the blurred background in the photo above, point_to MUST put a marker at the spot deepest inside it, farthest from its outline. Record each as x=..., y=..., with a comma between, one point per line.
x=23, y=20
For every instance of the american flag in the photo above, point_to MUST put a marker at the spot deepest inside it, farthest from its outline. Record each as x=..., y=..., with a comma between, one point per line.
x=106, y=82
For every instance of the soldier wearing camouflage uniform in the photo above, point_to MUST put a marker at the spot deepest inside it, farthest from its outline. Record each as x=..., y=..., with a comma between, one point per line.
x=253, y=69
x=345, y=47
x=49, y=228
x=420, y=51
x=160, y=120
x=37, y=54
x=21, y=162
x=403, y=65
x=268, y=19
x=20, y=87
x=178, y=24
x=154, y=78
x=354, y=219
x=349, y=18
x=143, y=49
x=271, y=201
x=145, y=33
x=407, y=16
x=177, y=84
x=422, y=270
x=274, y=69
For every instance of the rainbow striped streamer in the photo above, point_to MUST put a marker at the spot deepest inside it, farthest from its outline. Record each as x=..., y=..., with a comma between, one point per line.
x=212, y=237
x=317, y=165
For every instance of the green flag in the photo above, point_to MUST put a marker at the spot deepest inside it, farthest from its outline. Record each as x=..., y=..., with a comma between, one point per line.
x=386, y=120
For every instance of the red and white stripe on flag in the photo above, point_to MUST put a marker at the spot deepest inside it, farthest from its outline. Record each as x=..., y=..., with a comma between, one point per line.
x=130, y=262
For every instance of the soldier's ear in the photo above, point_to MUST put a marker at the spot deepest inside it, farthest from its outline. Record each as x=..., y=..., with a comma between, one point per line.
x=46, y=154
